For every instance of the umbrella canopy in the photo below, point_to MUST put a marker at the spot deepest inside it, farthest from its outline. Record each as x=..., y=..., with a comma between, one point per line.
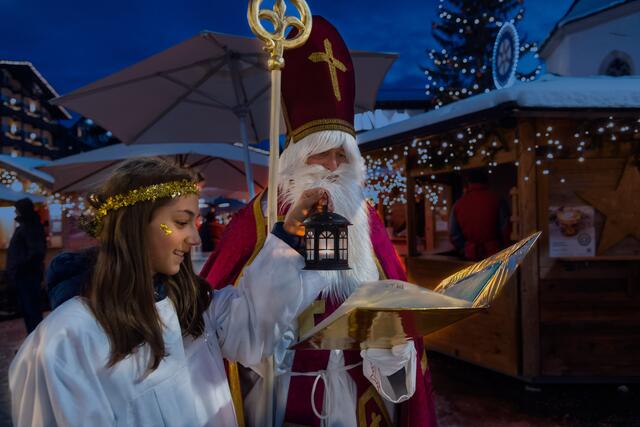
x=220, y=165
x=196, y=91
x=212, y=87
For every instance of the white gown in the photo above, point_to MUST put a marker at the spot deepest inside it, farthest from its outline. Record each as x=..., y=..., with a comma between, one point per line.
x=59, y=376
x=340, y=395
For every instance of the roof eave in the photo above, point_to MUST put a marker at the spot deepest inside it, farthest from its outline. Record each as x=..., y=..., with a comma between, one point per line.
x=502, y=111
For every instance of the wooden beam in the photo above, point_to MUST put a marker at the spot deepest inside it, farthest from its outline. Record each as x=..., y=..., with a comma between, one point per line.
x=412, y=247
x=429, y=227
x=502, y=157
x=529, y=294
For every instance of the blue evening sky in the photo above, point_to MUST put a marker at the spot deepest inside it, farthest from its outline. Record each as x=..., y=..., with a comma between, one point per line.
x=73, y=43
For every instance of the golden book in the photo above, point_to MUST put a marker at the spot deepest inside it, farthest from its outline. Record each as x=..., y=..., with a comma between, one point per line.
x=385, y=313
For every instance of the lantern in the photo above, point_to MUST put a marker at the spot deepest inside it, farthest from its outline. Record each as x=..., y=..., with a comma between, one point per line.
x=326, y=241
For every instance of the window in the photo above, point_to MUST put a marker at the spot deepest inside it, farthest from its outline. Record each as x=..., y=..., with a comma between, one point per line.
x=618, y=67
x=617, y=64
x=343, y=245
x=309, y=248
x=325, y=245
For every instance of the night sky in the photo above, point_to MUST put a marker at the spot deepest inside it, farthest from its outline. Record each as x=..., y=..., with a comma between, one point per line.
x=74, y=43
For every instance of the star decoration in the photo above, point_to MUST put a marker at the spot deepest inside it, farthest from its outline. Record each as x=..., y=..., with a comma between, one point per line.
x=621, y=207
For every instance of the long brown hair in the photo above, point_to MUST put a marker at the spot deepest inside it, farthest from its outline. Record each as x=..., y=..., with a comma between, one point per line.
x=121, y=290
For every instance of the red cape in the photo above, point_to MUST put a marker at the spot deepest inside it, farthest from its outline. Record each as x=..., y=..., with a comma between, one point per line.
x=243, y=238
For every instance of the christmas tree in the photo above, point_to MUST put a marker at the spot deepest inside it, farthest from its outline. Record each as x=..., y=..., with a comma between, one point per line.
x=466, y=32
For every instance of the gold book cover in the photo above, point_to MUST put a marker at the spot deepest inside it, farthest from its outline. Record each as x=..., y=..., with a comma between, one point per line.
x=385, y=313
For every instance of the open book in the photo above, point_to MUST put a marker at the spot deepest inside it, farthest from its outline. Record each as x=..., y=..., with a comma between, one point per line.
x=384, y=313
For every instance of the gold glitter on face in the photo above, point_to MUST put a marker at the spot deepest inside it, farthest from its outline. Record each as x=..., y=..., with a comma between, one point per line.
x=166, y=229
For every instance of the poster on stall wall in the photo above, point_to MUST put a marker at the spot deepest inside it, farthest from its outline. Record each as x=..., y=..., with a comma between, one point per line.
x=571, y=231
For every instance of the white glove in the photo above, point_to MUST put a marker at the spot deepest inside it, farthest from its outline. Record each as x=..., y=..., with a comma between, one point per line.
x=378, y=364
x=389, y=361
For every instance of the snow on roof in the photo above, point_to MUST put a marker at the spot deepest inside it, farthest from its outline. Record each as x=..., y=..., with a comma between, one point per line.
x=9, y=195
x=580, y=9
x=549, y=92
x=583, y=8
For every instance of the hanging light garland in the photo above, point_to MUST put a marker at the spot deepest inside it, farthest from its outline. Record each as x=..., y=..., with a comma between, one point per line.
x=71, y=204
x=386, y=179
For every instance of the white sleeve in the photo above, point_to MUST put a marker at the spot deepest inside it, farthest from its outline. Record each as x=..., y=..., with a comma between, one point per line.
x=250, y=318
x=50, y=387
x=391, y=371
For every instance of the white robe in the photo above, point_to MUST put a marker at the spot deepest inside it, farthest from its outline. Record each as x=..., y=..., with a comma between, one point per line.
x=340, y=395
x=59, y=376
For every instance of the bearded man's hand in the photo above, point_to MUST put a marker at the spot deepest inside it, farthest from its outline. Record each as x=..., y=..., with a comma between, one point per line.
x=310, y=201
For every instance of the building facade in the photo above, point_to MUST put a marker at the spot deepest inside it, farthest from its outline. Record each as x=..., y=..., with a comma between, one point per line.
x=29, y=124
x=595, y=38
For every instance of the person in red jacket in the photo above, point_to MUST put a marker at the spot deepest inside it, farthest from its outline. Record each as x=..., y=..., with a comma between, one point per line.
x=479, y=224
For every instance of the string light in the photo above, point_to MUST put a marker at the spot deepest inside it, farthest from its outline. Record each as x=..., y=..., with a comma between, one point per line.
x=461, y=73
x=386, y=180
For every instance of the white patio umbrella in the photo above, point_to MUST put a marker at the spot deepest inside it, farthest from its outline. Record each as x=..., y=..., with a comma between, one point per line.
x=220, y=165
x=212, y=87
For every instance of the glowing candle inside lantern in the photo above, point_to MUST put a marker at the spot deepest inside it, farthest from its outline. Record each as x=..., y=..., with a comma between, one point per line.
x=326, y=254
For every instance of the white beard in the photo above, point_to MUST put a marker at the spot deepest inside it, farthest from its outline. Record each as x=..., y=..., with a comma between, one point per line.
x=344, y=186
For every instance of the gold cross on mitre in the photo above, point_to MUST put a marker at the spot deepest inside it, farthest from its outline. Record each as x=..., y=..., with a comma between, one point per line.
x=333, y=63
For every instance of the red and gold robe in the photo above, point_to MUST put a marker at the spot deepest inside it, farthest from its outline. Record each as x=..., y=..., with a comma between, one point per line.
x=243, y=238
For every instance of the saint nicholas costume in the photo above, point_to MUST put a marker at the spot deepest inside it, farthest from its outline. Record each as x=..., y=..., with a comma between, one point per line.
x=323, y=387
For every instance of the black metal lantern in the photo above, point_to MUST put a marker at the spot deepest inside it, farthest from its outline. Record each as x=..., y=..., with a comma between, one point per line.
x=326, y=241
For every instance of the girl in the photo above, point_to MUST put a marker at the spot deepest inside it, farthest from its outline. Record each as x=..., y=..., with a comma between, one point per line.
x=143, y=345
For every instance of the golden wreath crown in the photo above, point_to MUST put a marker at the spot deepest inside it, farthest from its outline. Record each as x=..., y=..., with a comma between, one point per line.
x=153, y=192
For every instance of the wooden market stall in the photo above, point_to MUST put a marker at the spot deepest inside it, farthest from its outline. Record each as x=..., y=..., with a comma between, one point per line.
x=564, y=152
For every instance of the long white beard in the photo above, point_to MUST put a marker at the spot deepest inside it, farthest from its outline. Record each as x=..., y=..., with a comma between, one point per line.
x=344, y=185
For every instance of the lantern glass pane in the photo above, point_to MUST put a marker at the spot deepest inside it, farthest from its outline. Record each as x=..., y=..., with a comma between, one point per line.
x=325, y=245
x=343, y=245
x=309, y=240
x=309, y=243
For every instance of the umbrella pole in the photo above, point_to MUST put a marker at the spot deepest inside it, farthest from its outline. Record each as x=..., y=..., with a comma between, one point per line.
x=242, y=117
x=247, y=159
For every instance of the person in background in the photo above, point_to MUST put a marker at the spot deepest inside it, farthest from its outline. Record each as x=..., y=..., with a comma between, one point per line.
x=479, y=224
x=216, y=229
x=206, y=236
x=25, y=261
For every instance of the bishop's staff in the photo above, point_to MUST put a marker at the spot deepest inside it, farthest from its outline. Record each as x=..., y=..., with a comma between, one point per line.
x=275, y=43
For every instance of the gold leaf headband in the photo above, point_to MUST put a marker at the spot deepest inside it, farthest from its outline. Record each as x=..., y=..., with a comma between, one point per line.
x=170, y=189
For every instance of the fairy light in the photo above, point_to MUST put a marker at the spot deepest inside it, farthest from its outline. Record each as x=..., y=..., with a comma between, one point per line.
x=470, y=71
x=451, y=151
